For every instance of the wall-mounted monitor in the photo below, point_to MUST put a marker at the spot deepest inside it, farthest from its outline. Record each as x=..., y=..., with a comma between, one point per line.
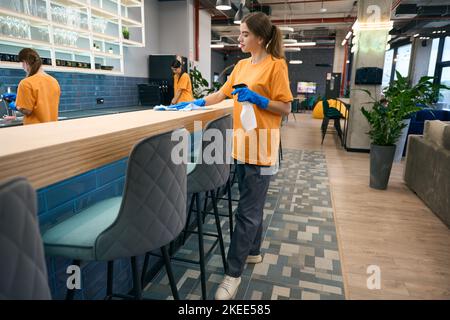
x=306, y=87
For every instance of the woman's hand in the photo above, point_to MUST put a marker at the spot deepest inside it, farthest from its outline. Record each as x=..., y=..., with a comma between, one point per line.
x=247, y=95
x=174, y=101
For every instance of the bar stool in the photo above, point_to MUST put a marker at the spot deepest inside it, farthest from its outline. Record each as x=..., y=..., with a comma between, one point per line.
x=149, y=215
x=203, y=177
x=24, y=272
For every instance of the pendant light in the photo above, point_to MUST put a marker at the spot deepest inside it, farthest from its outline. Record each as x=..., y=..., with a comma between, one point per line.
x=223, y=5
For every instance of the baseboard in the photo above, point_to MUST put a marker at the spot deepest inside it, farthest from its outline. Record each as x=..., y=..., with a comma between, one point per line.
x=357, y=150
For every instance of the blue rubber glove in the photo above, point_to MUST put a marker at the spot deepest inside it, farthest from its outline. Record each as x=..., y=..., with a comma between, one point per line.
x=8, y=97
x=12, y=106
x=181, y=105
x=245, y=94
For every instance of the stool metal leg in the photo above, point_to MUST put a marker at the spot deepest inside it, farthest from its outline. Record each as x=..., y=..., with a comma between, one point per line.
x=219, y=232
x=200, y=246
x=110, y=280
x=137, y=288
x=71, y=292
x=205, y=205
x=173, y=285
x=144, y=268
x=324, y=127
x=188, y=219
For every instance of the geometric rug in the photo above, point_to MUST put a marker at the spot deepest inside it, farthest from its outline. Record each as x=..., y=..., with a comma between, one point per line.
x=300, y=249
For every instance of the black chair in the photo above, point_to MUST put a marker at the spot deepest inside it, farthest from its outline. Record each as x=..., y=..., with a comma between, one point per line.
x=208, y=177
x=331, y=113
x=23, y=273
x=150, y=214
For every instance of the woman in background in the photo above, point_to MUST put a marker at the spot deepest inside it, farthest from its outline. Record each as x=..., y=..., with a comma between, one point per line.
x=38, y=94
x=182, y=85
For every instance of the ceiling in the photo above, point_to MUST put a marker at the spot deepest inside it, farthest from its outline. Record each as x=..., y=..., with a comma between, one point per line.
x=310, y=24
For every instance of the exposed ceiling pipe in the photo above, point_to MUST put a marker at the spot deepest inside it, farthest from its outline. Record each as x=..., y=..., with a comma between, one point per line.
x=316, y=20
x=197, y=29
x=294, y=2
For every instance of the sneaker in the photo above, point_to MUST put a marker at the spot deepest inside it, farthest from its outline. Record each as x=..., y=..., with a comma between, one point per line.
x=228, y=288
x=254, y=259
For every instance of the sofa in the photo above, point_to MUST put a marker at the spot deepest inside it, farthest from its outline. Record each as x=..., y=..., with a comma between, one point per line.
x=418, y=120
x=427, y=167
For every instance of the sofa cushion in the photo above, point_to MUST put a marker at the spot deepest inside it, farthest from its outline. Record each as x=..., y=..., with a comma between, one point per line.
x=434, y=132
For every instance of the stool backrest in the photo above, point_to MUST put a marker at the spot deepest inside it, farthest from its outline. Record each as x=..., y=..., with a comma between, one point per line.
x=209, y=176
x=153, y=209
x=23, y=272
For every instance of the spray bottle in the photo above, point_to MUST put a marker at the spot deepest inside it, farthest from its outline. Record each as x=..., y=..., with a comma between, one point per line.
x=248, y=118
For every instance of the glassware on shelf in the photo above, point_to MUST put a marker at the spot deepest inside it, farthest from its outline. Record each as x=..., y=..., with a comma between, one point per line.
x=99, y=25
x=65, y=38
x=13, y=27
x=84, y=23
x=42, y=12
x=43, y=34
x=73, y=17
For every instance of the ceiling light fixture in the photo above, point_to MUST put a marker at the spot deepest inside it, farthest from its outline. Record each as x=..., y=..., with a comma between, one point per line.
x=286, y=29
x=240, y=13
x=343, y=42
x=349, y=34
x=223, y=5
x=217, y=45
x=301, y=44
x=289, y=41
x=290, y=49
x=295, y=62
x=323, y=9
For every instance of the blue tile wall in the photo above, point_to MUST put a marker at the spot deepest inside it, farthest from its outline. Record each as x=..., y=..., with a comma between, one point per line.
x=80, y=91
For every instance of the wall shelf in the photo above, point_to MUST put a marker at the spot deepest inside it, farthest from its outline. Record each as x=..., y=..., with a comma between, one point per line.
x=131, y=3
x=83, y=38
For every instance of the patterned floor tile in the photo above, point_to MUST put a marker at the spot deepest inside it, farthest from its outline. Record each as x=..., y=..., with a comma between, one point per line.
x=300, y=251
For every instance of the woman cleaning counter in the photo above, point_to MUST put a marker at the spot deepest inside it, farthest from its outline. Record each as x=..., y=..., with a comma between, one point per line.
x=38, y=94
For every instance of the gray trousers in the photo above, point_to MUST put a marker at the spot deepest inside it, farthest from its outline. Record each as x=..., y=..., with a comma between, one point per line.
x=247, y=234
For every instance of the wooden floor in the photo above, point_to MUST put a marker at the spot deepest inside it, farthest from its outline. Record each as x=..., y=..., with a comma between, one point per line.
x=392, y=229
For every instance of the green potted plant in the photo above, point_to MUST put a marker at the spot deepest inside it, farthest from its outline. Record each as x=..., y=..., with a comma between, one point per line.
x=125, y=33
x=387, y=120
x=200, y=86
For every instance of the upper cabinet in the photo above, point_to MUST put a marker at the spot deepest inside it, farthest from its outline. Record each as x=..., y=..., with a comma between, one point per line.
x=72, y=35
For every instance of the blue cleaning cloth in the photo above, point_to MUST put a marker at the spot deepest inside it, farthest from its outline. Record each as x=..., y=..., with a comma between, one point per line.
x=179, y=107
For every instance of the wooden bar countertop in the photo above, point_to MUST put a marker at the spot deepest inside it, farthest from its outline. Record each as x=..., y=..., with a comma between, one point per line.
x=51, y=152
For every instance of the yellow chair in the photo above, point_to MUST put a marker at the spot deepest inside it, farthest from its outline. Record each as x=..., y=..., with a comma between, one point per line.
x=318, y=108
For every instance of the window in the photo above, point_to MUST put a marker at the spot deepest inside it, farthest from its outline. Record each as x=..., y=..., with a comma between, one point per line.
x=445, y=94
x=446, y=52
x=402, y=60
x=387, y=70
x=433, y=57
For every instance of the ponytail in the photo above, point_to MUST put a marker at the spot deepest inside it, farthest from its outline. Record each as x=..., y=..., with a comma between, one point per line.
x=275, y=45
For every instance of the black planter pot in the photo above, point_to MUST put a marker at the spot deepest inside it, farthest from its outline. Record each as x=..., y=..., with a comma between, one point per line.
x=381, y=158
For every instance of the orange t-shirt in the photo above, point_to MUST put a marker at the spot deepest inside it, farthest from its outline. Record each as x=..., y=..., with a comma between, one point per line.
x=39, y=94
x=183, y=83
x=270, y=79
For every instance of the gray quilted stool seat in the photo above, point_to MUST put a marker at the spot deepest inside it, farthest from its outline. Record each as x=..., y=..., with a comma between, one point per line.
x=149, y=215
x=205, y=176
x=23, y=272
